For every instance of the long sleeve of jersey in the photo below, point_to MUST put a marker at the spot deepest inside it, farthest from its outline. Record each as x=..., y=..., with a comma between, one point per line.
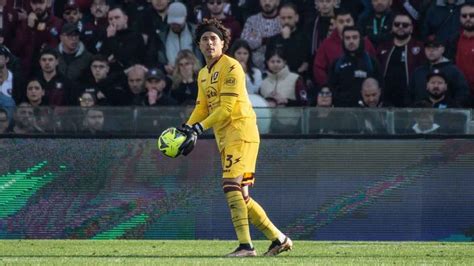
x=200, y=111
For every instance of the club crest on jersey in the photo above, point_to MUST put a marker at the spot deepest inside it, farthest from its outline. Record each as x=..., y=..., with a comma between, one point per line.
x=230, y=81
x=214, y=77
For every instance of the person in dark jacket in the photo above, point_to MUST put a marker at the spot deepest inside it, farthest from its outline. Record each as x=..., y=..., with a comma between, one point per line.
x=155, y=85
x=123, y=46
x=331, y=48
x=349, y=71
x=292, y=40
x=377, y=24
x=95, y=30
x=107, y=88
x=398, y=59
x=74, y=59
x=58, y=88
x=458, y=86
x=442, y=19
x=437, y=87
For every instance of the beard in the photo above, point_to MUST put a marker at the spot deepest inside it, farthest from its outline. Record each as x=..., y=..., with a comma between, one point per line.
x=469, y=28
x=436, y=95
x=401, y=37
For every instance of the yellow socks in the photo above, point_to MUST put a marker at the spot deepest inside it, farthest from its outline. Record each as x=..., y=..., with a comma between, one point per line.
x=238, y=211
x=259, y=218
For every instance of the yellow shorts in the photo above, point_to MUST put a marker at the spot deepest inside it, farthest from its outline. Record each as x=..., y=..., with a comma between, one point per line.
x=239, y=159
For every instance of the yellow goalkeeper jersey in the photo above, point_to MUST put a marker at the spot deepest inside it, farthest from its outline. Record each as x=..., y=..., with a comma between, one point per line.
x=223, y=103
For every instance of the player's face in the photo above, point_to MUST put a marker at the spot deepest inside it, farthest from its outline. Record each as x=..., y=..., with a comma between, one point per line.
x=211, y=45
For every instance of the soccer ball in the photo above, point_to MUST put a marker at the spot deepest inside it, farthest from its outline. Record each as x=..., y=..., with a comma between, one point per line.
x=170, y=141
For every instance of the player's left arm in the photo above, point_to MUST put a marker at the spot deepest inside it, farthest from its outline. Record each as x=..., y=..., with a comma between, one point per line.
x=232, y=86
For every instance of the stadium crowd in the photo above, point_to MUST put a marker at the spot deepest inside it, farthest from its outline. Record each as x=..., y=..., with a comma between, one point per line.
x=324, y=53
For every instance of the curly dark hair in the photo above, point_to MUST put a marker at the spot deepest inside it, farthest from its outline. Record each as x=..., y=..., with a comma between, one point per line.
x=217, y=24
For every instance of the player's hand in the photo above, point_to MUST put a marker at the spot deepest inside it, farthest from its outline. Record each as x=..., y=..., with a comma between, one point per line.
x=196, y=129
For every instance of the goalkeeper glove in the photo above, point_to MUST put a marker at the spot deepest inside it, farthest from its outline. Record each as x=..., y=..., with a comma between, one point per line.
x=191, y=132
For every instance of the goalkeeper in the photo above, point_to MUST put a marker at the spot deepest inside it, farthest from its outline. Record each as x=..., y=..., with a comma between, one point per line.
x=223, y=104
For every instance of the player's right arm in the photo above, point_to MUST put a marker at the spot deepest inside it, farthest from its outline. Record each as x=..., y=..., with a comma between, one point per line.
x=200, y=111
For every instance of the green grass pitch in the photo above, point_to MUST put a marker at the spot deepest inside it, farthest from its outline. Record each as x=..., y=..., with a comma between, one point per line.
x=161, y=252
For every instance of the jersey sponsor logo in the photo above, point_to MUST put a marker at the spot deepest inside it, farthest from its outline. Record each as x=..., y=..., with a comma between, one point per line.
x=230, y=81
x=211, y=92
x=214, y=77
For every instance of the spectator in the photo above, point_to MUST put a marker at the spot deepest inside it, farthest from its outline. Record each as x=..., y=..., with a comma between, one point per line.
x=4, y=121
x=95, y=31
x=437, y=87
x=7, y=103
x=58, y=88
x=216, y=9
x=424, y=120
x=241, y=51
x=93, y=122
x=39, y=30
x=258, y=28
x=162, y=49
x=87, y=100
x=184, y=88
x=377, y=24
x=123, y=46
x=371, y=94
x=10, y=19
x=136, y=84
x=327, y=120
x=416, y=9
x=457, y=84
x=462, y=46
x=135, y=10
x=74, y=59
x=10, y=81
x=356, y=7
x=292, y=41
x=24, y=120
x=331, y=48
x=282, y=87
x=321, y=25
x=106, y=87
x=155, y=85
x=324, y=98
x=35, y=93
x=399, y=58
x=350, y=70
x=72, y=14
x=442, y=19
x=372, y=122
x=155, y=17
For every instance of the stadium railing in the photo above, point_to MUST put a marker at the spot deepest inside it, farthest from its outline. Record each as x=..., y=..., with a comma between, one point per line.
x=271, y=121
